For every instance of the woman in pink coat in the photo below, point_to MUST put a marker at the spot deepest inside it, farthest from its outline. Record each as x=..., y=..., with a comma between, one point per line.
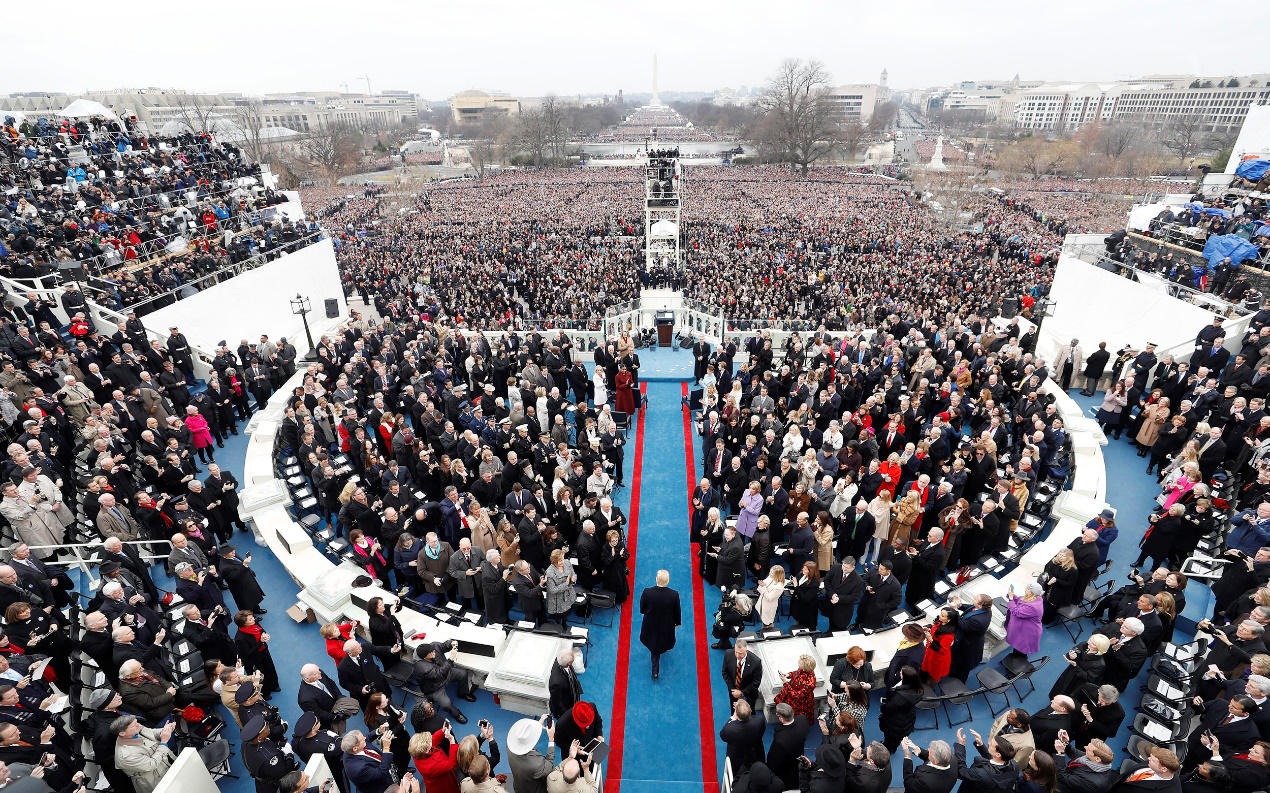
x=201, y=434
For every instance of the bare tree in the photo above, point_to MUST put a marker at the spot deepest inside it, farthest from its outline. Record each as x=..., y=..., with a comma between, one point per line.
x=883, y=115
x=1184, y=137
x=851, y=134
x=530, y=134
x=196, y=111
x=802, y=119
x=555, y=121
x=250, y=118
x=483, y=150
x=1039, y=157
x=331, y=149
x=1116, y=138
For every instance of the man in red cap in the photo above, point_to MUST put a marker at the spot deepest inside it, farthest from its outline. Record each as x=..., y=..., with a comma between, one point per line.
x=581, y=723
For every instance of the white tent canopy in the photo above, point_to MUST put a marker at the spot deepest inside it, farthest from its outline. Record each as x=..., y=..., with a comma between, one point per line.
x=83, y=108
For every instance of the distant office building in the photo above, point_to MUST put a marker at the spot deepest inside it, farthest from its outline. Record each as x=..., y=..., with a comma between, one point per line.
x=305, y=111
x=470, y=108
x=1217, y=102
x=858, y=101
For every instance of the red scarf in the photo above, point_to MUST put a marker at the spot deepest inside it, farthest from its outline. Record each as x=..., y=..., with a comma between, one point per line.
x=166, y=520
x=253, y=631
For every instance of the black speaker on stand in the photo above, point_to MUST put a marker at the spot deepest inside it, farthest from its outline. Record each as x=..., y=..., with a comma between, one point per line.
x=332, y=308
x=1010, y=307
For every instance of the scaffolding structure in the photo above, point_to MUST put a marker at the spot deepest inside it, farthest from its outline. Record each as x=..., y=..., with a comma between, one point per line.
x=663, y=204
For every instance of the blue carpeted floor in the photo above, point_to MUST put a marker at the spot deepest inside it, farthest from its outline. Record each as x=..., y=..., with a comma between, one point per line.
x=663, y=732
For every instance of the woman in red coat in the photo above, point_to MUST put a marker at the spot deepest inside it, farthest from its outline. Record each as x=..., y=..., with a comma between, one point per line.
x=799, y=691
x=625, y=394
x=891, y=468
x=938, y=658
x=436, y=756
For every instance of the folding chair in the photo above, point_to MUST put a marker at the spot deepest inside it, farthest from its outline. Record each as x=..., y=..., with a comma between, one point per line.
x=602, y=599
x=1022, y=671
x=994, y=683
x=1072, y=615
x=930, y=701
x=956, y=693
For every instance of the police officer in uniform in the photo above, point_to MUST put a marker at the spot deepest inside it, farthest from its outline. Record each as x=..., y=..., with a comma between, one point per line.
x=309, y=739
x=266, y=759
x=251, y=705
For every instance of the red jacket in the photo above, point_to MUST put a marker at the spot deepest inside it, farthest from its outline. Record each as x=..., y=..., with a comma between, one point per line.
x=437, y=766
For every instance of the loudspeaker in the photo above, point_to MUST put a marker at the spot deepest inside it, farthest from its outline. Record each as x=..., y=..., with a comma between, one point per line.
x=333, y=308
x=1009, y=307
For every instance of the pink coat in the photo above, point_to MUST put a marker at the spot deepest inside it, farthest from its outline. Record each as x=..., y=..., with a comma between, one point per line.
x=199, y=431
x=1180, y=489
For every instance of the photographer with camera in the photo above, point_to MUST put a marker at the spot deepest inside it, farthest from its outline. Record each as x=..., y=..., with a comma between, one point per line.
x=731, y=618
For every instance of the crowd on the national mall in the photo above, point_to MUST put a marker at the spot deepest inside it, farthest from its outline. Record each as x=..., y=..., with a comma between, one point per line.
x=843, y=474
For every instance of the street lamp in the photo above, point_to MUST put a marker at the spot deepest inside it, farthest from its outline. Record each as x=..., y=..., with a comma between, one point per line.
x=300, y=305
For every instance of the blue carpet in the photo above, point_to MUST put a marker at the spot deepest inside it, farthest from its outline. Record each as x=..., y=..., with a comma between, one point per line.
x=662, y=744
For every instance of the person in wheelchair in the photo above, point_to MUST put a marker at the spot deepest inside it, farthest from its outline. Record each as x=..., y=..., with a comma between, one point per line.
x=731, y=618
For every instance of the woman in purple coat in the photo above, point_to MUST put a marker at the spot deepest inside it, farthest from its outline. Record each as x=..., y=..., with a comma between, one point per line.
x=1023, y=626
x=751, y=507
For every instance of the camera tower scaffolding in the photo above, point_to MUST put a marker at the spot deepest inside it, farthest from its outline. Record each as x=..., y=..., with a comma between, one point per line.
x=663, y=183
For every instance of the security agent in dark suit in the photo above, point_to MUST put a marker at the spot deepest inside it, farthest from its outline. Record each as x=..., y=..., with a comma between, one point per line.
x=264, y=756
x=789, y=740
x=742, y=672
x=743, y=735
x=993, y=771
x=939, y=771
x=563, y=686
x=881, y=597
x=359, y=674
x=369, y=769
x=1230, y=722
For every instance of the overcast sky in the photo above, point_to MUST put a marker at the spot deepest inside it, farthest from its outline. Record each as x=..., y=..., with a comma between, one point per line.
x=570, y=47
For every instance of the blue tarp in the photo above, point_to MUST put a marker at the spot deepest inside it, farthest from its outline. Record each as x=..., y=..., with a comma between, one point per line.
x=1232, y=245
x=1252, y=170
x=1215, y=211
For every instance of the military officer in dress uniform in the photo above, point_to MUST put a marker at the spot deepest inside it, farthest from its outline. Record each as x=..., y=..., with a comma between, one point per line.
x=179, y=348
